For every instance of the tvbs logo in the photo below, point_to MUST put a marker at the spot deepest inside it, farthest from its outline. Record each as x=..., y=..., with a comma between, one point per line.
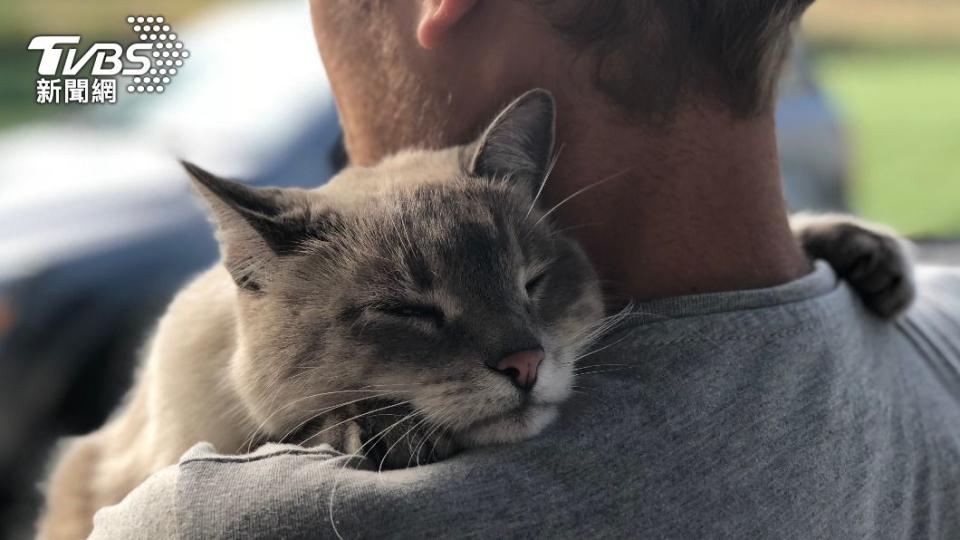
x=151, y=63
x=107, y=57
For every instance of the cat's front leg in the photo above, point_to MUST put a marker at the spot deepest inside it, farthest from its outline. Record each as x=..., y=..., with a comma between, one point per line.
x=874, y=260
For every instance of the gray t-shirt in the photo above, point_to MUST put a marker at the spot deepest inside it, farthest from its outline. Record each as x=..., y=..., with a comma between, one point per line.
x=782, y=413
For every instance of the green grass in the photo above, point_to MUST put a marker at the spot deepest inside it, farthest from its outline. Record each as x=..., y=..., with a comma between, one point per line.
x=902, y=107
x=18, y=75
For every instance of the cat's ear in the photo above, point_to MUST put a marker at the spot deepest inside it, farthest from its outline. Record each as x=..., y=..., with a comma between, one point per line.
x=254, y=226
x=518, y=144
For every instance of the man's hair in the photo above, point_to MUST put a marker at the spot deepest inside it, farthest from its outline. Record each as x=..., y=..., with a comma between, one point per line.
x=650, y=54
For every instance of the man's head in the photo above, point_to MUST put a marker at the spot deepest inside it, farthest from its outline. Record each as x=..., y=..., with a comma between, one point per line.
x=431, y=72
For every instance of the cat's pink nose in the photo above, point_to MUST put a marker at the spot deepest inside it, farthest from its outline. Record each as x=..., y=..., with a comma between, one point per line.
x=522, y=367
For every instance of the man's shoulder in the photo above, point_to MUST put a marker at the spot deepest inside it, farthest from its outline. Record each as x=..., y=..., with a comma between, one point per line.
x=938, y=300
x=939, y=280
x=729, y=404
x=933, y=323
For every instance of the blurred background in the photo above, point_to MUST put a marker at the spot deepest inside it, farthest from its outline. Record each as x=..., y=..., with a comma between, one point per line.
x=98, y=230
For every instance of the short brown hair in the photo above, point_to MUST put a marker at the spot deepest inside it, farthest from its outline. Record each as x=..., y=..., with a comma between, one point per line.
x=650, y=53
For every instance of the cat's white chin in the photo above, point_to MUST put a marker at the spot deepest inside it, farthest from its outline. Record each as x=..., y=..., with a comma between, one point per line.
x=514, y=427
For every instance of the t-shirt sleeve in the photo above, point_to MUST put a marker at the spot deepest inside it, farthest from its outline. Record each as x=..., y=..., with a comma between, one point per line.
x=279, y=491
x=149, y=511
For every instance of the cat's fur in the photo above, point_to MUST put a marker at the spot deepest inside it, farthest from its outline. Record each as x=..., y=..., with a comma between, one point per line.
x=387, y=289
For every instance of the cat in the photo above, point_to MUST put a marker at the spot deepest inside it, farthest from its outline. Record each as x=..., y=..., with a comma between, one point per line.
x=427, y=292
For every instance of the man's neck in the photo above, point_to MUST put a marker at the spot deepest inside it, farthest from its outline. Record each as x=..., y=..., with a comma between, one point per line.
x=698, y=209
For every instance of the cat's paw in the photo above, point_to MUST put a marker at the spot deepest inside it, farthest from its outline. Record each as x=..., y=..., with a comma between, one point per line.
x=875, y=261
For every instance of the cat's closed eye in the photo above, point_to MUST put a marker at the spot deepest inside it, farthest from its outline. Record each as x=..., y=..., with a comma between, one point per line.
x=534, y=283
x=422, y=312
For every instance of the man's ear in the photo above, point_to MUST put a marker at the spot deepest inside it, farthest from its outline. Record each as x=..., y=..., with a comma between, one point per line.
x=255, y=227
x=437, y=17
x=518, y=144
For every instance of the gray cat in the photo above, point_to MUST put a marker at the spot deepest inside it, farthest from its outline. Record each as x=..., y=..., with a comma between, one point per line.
x=404, y=310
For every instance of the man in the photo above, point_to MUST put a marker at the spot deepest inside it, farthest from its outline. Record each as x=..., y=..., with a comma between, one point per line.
x=783, y=410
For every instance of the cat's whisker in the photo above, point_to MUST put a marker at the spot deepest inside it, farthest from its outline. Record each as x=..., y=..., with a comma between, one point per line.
x=598, y=350
x=346, y=462
x=571, y=228
x=415, y=451
x=383, y=433
x=581, y=343
x=594, y=371
x=546, y=176
x=334, y=392
x=593, y=394
x=249, y=440
x=366, y=388
x=351, y=419
x=599, y=372
x=395, y=443
x=336, y=483
x=612, y=320
x=605, y=365
x=581, y=392
x=591, y=333
x=415, y=455
x=581, y=191
x=364, y=454
x=441, y=425
x=376, y=394
x=327, y=410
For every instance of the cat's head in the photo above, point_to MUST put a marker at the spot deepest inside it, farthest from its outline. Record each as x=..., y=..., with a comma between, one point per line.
x=432, y=278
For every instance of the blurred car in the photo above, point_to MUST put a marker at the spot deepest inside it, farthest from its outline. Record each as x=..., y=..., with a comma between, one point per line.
x=99, y=229
x=814, y=157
